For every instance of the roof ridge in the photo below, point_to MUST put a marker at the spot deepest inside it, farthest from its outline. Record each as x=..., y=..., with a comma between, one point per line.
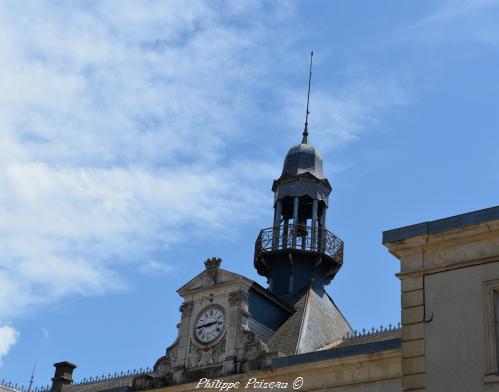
x=285, y=339
x=338, y=309
x=304, y=318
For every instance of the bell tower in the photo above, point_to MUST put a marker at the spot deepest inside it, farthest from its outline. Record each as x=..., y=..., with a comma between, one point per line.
x=298, y=251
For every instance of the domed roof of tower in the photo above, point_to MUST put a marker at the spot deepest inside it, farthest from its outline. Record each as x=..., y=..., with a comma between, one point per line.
x=303, y=158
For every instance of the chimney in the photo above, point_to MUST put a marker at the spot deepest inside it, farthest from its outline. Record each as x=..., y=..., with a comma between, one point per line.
x=63, y=376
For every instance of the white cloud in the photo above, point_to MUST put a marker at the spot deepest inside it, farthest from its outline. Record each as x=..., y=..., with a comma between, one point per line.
x=155, y=268
x=457, y=21
x=8, y=337
x=68, y=228
x=114, y=122
x=122, y=121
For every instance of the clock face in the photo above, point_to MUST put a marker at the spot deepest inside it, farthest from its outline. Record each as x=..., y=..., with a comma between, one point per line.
x=209, y=324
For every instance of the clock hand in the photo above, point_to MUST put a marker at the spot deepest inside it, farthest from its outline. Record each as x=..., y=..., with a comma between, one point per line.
x=206, y=325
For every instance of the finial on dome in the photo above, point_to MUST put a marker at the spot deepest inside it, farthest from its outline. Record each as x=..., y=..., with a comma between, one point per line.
x=305, y=131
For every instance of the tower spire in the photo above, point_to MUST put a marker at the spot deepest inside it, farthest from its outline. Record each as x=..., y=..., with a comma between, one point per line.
x=31, y=379
x=305, y=131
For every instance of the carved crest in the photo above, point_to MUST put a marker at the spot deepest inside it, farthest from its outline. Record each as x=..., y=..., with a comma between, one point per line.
x=213, y=263
x=206, y=357
x=210, y=275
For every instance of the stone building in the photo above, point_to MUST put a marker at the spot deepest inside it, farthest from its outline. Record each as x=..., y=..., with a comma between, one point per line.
x=291, y=334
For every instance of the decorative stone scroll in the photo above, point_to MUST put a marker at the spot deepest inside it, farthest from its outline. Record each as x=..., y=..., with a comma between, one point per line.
x=164, y=366
x=186, y=308
x=162, y=373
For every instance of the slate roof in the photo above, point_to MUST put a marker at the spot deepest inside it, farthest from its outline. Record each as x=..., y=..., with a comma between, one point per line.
x=323, y=323
x=303, y=158
x=316, y=323
x=268, y=312
x=285, y=340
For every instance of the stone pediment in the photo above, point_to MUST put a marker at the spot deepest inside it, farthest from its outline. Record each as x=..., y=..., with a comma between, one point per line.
x=212, y=276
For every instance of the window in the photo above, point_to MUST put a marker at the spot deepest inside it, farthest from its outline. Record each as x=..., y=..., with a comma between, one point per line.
x=491, y=296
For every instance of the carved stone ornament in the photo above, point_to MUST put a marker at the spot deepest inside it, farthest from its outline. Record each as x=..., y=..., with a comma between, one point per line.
x=186, y=308
x=210, y=275
x=238, y=298
x=252, y=346
x=162, y=373
x=164, y=365
x=213, y=263
x=199, y=358
x=252, y=351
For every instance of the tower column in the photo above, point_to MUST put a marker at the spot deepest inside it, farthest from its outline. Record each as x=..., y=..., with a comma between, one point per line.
x=323, y=217
x=277, y=221
x=296, y=201
x=277, y=214
x=322, y=229
x=314, y=225
x=285, y=233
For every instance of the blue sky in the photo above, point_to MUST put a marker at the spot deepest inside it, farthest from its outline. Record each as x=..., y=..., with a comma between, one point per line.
x=140, y=138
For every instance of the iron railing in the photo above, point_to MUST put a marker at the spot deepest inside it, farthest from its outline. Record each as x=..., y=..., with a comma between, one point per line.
x=299, y=237
x=114, y=376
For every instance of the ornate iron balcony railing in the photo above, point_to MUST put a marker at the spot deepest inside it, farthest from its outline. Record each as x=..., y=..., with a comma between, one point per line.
x=299, y=237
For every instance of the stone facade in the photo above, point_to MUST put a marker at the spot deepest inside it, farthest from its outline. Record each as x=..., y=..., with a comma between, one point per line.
x=449, y=271
x=375, y=372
